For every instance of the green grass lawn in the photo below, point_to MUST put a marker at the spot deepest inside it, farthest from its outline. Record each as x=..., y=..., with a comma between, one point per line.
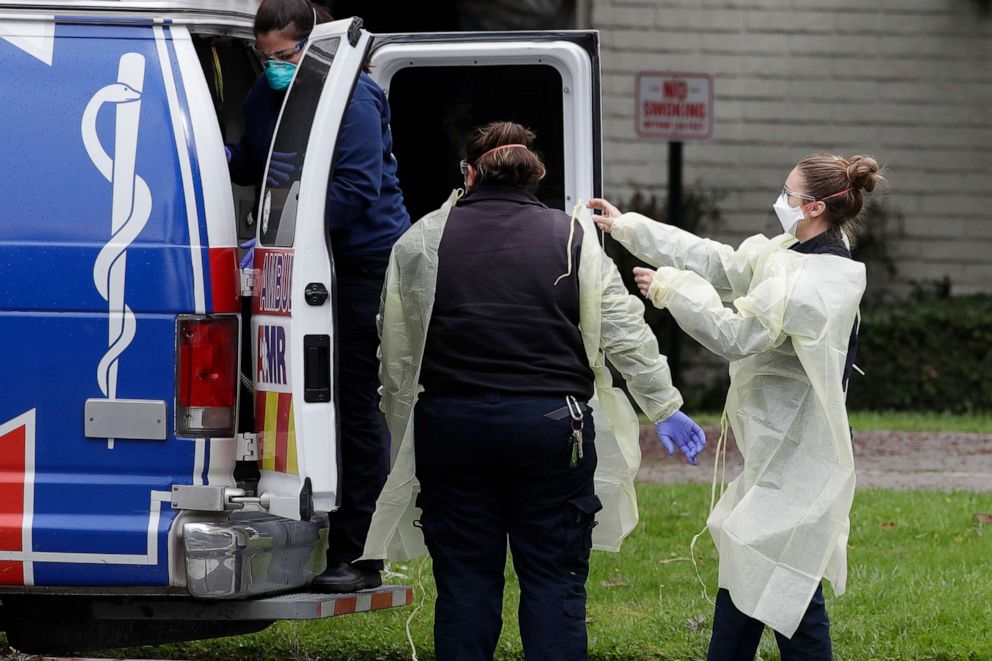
x=922, y=421
x=918, y=588
x=895, y=421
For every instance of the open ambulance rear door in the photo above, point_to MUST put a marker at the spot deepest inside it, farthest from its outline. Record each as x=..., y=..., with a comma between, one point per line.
x=292, y=323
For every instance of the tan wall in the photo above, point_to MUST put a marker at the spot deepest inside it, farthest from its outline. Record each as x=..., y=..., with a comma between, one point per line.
x=909, y=81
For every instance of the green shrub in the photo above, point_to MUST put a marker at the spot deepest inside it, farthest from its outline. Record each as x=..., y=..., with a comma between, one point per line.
x=930, y=355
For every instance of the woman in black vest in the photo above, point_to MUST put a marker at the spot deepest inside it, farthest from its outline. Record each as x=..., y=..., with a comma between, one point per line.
x=505, y=444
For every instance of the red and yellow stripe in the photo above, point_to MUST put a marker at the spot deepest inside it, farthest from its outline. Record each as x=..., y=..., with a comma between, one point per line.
x=276, y=432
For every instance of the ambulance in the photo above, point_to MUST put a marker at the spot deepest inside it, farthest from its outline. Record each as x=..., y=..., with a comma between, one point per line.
x=168, y=421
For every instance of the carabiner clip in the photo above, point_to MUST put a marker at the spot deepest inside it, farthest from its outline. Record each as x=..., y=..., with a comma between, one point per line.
x=575, y=441
x=574, y=410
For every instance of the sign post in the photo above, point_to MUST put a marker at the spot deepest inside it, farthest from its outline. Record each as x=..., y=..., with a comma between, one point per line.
x=675, y=107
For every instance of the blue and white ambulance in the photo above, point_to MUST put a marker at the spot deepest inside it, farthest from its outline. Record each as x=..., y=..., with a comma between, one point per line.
x=133, y=505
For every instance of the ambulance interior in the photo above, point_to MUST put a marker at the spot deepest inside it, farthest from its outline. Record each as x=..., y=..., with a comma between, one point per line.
x=434, y=109
x=231, y=67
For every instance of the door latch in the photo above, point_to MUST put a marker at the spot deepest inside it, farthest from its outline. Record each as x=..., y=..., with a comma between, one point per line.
x=214, y=499
x=316, y=368
x=315, y=294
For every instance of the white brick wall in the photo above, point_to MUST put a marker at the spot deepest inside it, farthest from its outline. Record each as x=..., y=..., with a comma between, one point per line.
x=909, y=81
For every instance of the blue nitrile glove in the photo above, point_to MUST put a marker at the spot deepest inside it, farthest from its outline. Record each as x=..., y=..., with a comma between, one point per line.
x=227, y=153
x=249, y=258
x=282, y=167
x=679, y=430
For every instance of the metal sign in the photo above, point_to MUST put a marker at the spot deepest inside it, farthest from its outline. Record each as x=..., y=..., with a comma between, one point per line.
x=674, y=106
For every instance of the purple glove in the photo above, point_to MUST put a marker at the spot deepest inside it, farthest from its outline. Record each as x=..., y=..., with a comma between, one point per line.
x=679, y=430
x=282, y=168
x=249, y=257
x=227, y=152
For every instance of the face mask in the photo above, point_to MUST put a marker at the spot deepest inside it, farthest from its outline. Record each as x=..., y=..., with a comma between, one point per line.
x=788, y=216
x=279, y=74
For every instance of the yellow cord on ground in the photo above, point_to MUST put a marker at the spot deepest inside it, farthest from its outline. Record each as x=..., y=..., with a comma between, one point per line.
x=409, y=620
x=720, y=458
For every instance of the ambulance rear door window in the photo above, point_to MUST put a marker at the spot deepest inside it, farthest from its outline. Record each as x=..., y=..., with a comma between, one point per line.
x=280, y=198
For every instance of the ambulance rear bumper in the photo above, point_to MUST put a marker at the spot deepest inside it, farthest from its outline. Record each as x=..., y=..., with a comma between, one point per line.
x=253, y=553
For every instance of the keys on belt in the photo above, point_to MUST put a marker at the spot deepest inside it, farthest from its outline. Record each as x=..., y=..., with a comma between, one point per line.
x=575, y=413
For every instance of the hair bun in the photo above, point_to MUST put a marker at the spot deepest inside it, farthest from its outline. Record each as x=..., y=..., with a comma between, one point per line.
x=862, y=172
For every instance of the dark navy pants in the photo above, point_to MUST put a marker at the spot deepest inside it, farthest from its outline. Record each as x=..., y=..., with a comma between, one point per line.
x=736, y=636
x=364, y=455
x=493, y=468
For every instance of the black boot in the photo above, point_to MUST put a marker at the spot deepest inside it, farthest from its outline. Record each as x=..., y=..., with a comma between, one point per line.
x=346, y=578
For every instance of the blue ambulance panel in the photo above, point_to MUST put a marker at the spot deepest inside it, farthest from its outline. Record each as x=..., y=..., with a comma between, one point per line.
x=102, y=243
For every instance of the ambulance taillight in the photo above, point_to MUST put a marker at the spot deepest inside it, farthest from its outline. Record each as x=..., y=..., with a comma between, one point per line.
x=207, y=375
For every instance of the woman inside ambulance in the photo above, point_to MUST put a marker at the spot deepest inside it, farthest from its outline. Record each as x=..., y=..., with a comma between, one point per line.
x=366, y=216
x=783, y=523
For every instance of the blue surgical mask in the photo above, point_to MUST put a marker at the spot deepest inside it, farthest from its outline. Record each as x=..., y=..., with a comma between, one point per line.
x=279, y=74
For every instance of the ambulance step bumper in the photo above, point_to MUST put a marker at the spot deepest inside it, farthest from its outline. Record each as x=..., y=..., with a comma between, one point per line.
x=296, y=606
x=56, y=624
x=253, y=553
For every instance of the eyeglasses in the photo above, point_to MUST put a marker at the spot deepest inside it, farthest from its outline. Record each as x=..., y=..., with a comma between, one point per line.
x=791, y=193
x=281, y=55
x=463, y=166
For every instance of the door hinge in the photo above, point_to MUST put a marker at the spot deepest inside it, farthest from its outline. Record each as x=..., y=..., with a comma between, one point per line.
x=249, y=280
x=247, y=449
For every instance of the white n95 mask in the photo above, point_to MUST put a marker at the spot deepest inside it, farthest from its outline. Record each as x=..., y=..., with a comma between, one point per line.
x=788, y=216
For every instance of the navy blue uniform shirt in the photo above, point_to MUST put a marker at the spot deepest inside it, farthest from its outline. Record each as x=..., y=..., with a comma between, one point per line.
x=365, y=203
x=261, y=109
x=365, y=200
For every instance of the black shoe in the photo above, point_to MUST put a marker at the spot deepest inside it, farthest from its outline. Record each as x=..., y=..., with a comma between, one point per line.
x=346, y=578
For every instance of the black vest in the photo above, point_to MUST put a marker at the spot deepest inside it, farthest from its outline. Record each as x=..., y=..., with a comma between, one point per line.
x=499, y=322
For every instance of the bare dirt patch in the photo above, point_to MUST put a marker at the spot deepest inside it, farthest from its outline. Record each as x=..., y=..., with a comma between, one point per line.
x=883, y=459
